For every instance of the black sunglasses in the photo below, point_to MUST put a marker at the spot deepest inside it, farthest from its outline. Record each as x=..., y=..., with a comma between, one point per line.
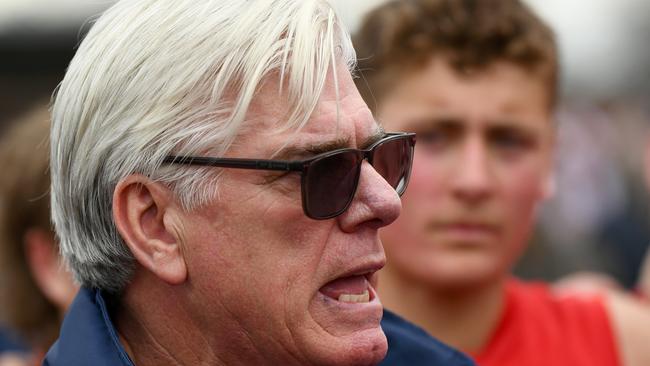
x=329, y=180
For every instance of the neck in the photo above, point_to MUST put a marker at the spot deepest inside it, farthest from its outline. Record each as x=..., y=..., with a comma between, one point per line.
x=463, y=318
x=144, y=331
x=156, y=327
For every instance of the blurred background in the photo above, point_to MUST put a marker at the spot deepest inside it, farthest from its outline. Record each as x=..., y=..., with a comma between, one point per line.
x=599, y=218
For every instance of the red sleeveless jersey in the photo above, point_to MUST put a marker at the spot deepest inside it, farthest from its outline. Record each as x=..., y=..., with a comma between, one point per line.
x=539, y=328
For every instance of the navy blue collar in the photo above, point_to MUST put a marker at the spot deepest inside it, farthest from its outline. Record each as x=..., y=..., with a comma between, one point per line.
x=88, y=336
x=409, y=345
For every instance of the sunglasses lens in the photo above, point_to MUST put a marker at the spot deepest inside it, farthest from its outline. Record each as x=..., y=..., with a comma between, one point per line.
x=392, y=160
x=330, y=184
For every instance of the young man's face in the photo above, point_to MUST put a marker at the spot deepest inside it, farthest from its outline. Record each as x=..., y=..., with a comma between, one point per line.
x=481, y=166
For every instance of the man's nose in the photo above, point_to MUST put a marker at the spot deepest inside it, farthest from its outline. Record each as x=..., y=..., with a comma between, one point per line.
x=473, y=179
x=375, y=203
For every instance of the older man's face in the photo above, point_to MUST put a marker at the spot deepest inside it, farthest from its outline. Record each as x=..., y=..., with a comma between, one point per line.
x=269, y=280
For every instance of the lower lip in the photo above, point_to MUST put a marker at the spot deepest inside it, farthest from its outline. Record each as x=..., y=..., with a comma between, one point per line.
x=468, y=233
x=354, y=321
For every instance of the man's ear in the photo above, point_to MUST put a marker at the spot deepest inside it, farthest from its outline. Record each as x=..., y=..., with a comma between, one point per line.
x=147, y=217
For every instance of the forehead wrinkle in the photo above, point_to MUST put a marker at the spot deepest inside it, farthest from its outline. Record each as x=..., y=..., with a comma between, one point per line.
x=305, y=150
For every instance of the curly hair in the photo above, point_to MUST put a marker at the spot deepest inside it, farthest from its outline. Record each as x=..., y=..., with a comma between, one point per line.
x=402, y=35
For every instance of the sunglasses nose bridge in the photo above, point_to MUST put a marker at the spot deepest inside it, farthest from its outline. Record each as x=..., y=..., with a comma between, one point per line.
x=368, y=155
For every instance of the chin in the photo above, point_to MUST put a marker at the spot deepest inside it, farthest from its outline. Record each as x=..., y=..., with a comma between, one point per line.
x=461, y=272
x=468, y=279
x=348, y=333
x=463, y=282
x=367, y=347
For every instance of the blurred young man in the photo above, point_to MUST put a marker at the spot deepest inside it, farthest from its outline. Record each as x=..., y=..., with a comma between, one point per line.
x=476, y=80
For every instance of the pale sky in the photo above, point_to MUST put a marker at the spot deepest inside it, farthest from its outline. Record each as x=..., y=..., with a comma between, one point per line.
x=603, y=43
x=48, y=13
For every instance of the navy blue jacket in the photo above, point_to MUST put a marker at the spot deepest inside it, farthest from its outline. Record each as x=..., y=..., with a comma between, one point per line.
x=89, y=338
x=409, y=345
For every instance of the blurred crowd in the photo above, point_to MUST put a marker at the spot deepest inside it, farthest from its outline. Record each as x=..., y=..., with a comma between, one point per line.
x=597, y=219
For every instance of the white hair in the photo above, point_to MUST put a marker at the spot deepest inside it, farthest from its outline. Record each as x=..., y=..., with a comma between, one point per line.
x=156, y=77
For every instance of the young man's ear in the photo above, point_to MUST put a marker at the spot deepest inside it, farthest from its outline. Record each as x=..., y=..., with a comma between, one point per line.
x=146, y=216
x=550, y=186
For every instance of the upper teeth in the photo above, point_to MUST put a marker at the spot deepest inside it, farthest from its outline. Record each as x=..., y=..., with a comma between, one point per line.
x=364, y=297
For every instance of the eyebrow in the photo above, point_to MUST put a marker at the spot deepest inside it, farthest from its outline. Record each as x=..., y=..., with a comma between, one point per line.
x=424, y=124
x=299, y=152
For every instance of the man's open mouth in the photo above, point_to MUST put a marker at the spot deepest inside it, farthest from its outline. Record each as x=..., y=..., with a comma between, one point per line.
x=350, y=289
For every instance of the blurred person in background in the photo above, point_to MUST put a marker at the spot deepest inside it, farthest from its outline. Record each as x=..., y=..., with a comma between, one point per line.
x=597, y=220
x=12, y=351
x=644, y=282
x=35, y=289
x=644, y=278
x=217, y=187
x=476, y=80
